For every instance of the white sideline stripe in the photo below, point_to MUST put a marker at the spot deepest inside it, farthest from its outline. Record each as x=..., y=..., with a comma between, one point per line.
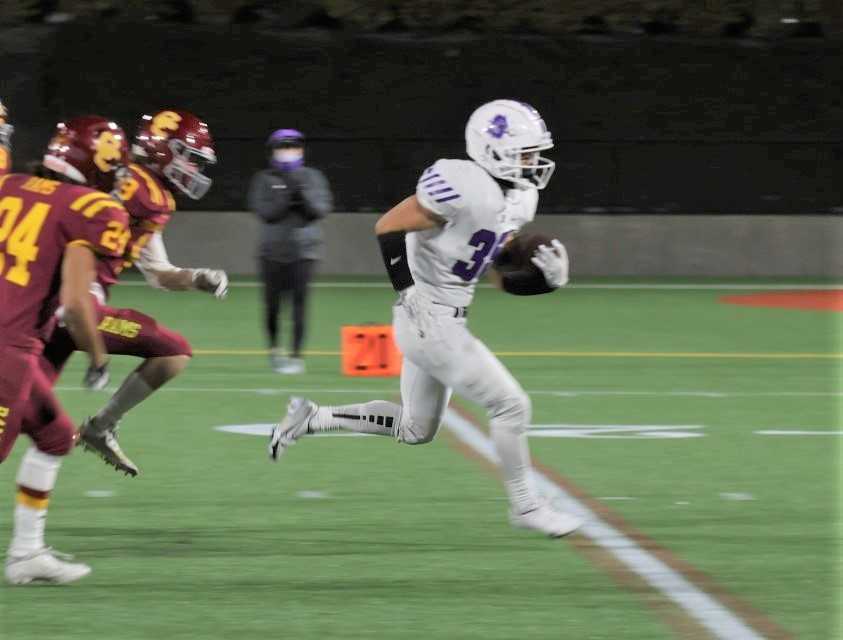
x=689, y=286
x=277, y=391
x=715, y=617
x=796, y=432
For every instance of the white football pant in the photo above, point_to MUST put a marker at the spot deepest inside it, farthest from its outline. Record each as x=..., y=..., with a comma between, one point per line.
x=449, y=358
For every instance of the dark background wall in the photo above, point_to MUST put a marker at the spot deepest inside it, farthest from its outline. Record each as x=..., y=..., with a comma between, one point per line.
x=642, y=125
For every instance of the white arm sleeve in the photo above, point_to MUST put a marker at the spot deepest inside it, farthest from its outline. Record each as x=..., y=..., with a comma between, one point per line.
x=153, y=258
x=440, y=188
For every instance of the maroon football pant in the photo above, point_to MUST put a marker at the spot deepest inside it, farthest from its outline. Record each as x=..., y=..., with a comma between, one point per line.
x=126, y=332
x=28, y=405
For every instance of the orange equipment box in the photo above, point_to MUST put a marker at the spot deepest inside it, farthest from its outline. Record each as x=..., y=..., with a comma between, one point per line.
x=369, y=350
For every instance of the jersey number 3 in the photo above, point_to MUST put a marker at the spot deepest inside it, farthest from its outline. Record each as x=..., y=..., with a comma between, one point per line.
x=486, y=243
x=19, y=239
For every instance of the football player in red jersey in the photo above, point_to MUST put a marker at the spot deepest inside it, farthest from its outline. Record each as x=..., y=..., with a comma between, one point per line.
x=51, y=233
x=170, y=150
x=5, y=141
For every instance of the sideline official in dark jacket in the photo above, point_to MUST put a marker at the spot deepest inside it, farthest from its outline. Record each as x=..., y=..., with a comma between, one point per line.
x=290, y=199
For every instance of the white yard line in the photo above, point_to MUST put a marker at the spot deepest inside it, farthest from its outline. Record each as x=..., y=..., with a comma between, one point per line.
x=679, y=286
x=796, y=432
x=712, y=614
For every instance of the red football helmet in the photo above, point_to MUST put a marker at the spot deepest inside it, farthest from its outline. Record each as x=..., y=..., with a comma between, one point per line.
x=89, y=150
x=177, y=146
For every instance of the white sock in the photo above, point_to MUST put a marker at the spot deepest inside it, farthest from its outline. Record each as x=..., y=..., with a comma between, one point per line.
x=36, y=475
x=30, y=521
x=515, y=463
x=133, y=391
x=378, y=417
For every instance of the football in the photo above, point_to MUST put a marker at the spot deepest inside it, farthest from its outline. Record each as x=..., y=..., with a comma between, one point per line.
x=516, y=255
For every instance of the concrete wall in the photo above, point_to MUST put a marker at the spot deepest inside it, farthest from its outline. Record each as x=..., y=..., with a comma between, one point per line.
x=599, y=245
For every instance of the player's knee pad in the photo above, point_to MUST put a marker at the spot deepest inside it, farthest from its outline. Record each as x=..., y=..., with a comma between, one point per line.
x=512, y=411
x=417, y=429
x=415, y=433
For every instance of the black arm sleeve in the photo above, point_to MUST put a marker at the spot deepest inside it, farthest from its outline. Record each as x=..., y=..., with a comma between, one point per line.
x=394, y=252
x=525, y=283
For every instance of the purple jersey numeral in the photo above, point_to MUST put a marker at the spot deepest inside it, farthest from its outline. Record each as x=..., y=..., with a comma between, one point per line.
x=486, y=242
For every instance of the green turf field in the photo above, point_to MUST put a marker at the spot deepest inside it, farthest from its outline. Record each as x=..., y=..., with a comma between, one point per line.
x=365, y=538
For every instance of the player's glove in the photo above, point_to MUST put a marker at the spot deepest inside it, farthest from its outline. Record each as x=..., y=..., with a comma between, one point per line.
x=417, y=307
x=553, y=263
x=213, y=281
x=96, y=378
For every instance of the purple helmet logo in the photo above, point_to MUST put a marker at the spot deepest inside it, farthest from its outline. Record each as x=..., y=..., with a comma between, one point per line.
x=498, y=126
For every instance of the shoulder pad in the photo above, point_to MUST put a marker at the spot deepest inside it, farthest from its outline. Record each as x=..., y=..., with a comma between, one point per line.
x=448, y=186
x=97, y=220
x=144, y=195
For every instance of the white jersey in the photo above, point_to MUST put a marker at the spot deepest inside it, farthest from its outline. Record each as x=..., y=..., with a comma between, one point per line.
x=447, y=262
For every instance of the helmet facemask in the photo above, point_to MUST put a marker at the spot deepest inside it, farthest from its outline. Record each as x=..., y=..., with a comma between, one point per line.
x=525, y=167
x=186, y=170
x=6, y=129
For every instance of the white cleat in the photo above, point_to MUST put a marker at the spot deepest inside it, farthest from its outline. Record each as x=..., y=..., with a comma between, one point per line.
x=546, y=519
x=46, y=566
x=292, y=427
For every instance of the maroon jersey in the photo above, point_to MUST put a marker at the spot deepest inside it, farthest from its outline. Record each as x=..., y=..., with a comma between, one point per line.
x=150, y=206
x=38, y=219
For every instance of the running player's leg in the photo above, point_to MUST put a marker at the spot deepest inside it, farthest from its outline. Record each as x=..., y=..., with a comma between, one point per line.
x=53, y=434
x=475, y=373
x=414, y=421
x=166, y=353
x=488, y=383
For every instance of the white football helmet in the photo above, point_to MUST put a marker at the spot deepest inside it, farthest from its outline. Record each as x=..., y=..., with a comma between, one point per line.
x=5, y=128
x=505, y=137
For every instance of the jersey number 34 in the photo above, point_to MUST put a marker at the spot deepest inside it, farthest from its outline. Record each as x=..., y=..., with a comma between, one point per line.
x=488, y=246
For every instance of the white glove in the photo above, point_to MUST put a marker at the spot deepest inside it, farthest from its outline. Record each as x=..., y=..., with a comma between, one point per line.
x=214, y=281
x=553, y=263
x=417, y=308
x=96, y=378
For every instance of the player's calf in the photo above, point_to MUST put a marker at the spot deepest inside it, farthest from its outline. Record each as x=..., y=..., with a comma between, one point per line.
x=28, y=558
x=303, y=416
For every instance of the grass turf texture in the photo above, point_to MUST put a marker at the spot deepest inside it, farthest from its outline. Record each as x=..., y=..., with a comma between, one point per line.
x=213, y=541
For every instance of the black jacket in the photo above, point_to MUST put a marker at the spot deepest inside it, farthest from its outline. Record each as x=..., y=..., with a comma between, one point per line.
x=290, y=205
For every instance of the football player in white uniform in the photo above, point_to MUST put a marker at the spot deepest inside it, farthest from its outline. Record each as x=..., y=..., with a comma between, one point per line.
x=436, y=245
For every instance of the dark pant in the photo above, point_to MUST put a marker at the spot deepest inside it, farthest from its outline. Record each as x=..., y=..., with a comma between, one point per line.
x=281, y=280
